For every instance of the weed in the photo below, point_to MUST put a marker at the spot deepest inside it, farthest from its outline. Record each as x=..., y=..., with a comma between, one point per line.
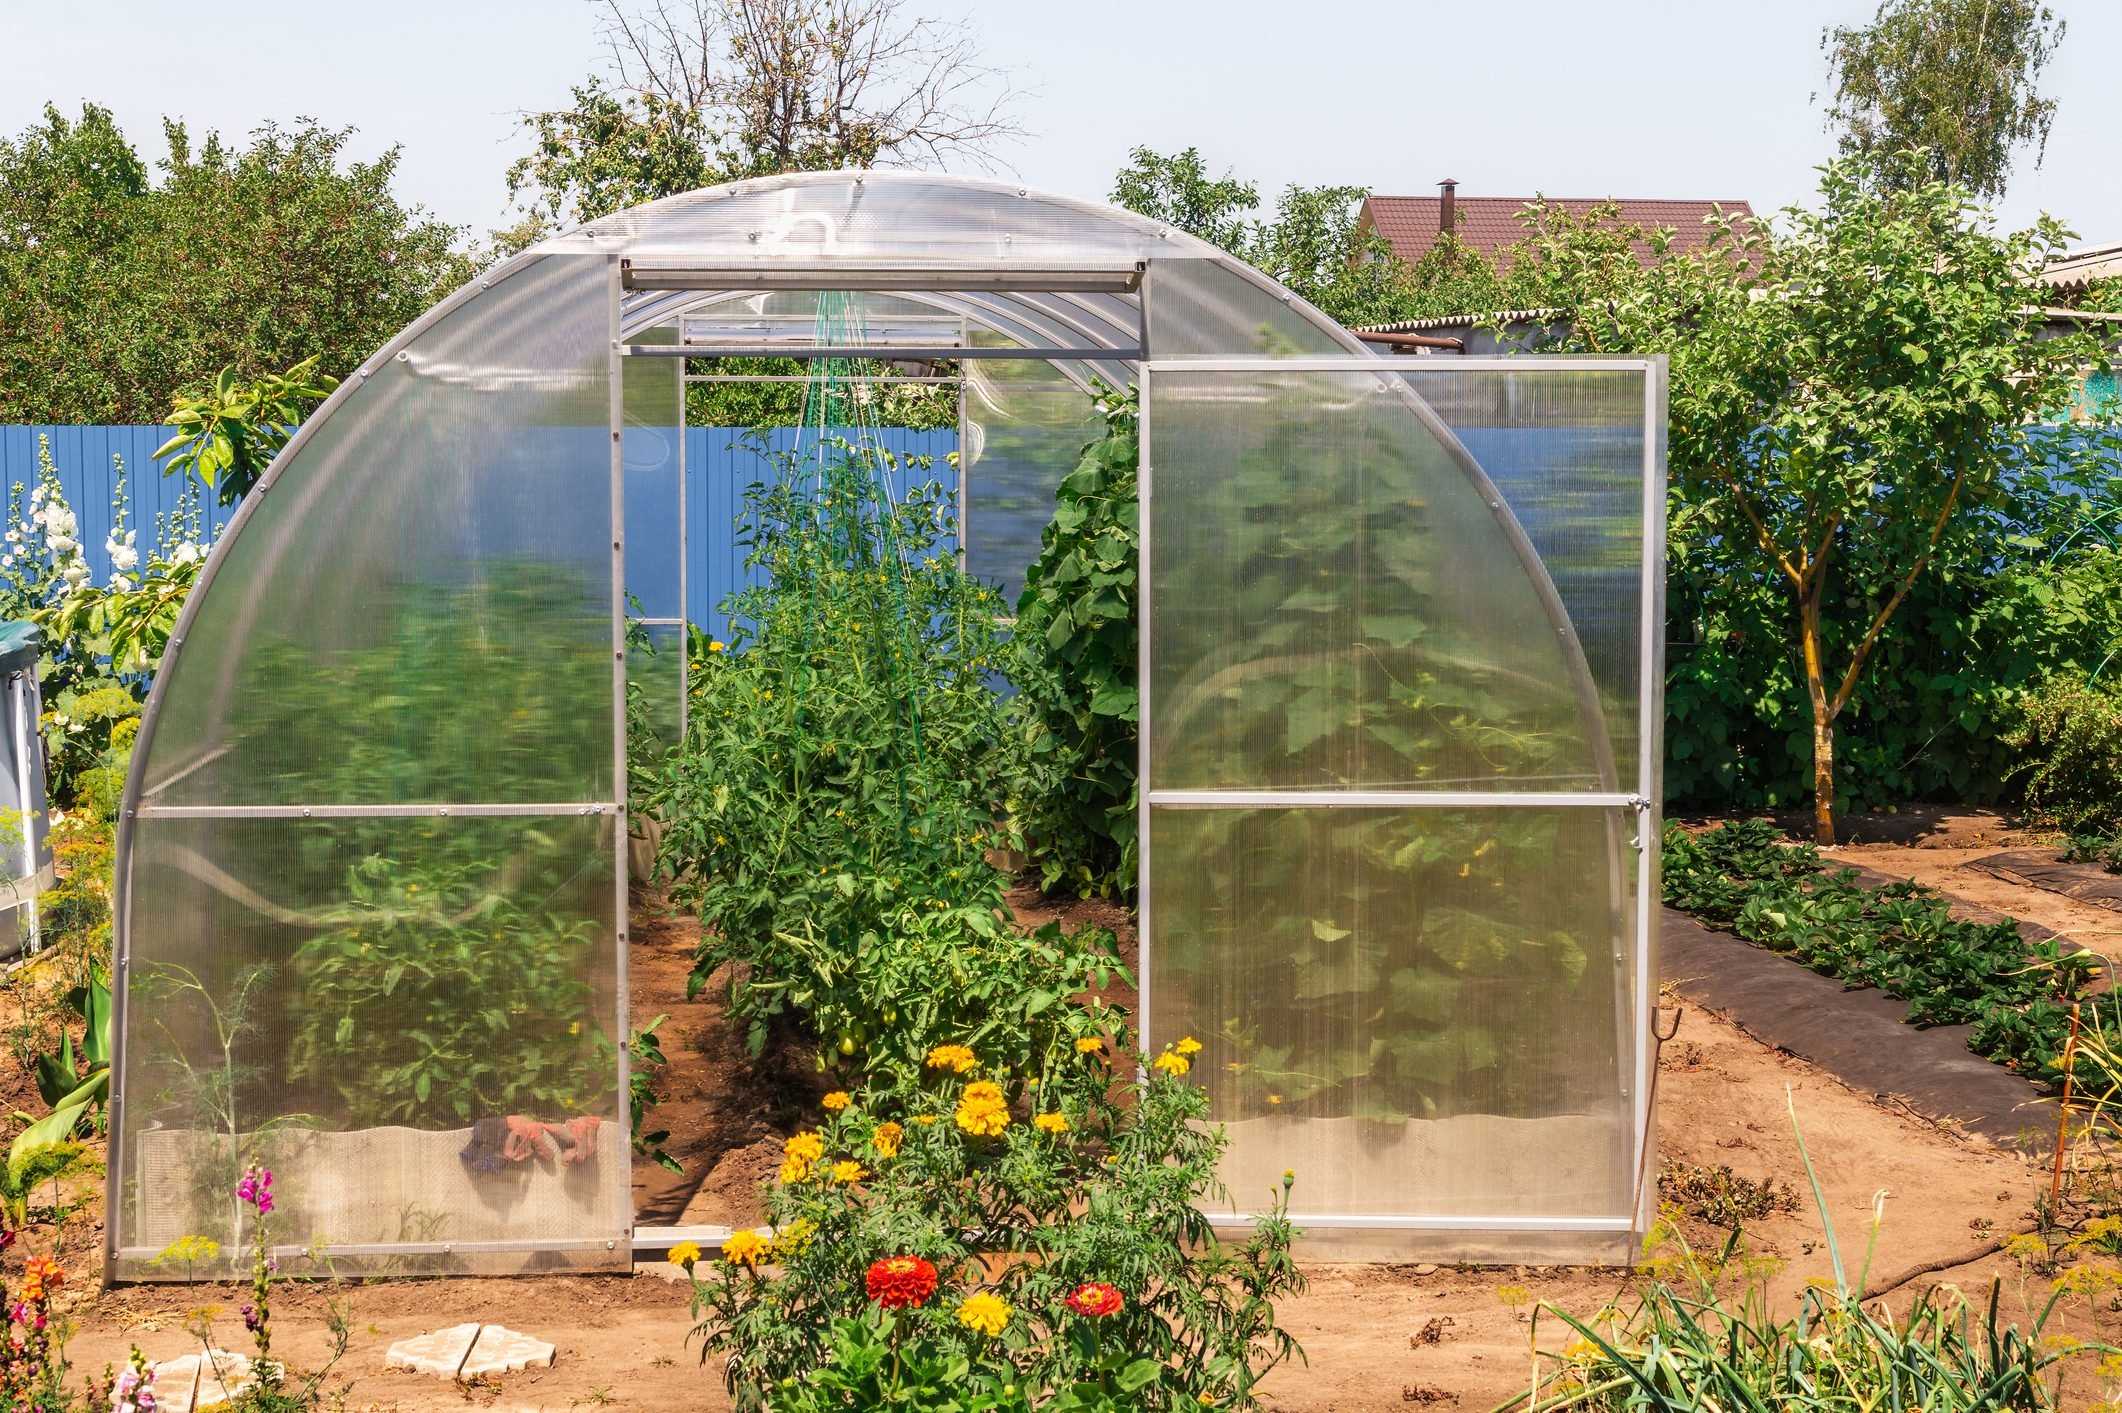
x=1720, y=1196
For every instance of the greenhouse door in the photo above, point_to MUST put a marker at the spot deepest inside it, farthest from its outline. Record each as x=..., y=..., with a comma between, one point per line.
x=652, y=474
x=1400, y=676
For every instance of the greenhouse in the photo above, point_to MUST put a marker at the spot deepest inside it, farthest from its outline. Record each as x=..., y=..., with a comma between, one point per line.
x=1401, y=664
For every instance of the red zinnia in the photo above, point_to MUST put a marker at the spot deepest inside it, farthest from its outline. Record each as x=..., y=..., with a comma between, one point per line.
x=1095, y=1299
x=901, y=1280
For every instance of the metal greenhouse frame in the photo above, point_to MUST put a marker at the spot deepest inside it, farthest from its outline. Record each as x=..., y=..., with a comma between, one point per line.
x=1400, y=698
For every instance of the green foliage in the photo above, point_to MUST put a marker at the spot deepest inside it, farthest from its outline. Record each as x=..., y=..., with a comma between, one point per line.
x=1958, y=78
x=228, y=435
x=1178, y=191
x=124, y=290
x=1075, y=669
x=1845, y=395
x=1900, y=938
x=2010, y=602
x=844, y=762
x=2073, y=733
x=645, y=1052
x=954, y=1169
x=2104, y=850
x=438, y=995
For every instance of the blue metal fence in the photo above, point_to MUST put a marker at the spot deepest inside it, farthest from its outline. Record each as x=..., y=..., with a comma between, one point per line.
x=88, y=474
x=720, y=465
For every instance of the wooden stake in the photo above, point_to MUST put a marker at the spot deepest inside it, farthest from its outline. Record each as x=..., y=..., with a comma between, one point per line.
x=2070, y=1055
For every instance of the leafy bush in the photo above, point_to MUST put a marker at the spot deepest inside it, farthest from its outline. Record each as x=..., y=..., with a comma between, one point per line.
x=844, y=761
x=2074, y=728
x=2101, y=849
x=1900, y=938
x=1075, y=668
x=1053, y=1245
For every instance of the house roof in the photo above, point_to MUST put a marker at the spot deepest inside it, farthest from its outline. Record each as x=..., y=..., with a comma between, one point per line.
x=1490, y=223
x=2074, y=270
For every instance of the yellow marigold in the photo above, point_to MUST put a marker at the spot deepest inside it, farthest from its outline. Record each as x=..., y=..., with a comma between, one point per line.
x=982, y=1111
x=746, y=1248
x=886, y=1139
x=793, y=1171
x=983, y=1312
x=806, y=1147
x=1188, y=1046
x=1171, y=1064
x=836, y=1101
x=1089, y=1045
x=1050, y=1123
x=684, y=1254
x=924, y=1119
x=848, y=1171
x=956, y=1058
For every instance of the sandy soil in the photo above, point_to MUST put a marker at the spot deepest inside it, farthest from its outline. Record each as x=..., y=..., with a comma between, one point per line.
x=1377, y=1337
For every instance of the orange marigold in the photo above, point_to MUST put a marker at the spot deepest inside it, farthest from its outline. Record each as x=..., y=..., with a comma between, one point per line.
x=886, y=1139
x=982, y=1111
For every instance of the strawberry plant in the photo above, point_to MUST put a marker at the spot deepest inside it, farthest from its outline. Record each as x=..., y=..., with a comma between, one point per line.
x=1900, y=938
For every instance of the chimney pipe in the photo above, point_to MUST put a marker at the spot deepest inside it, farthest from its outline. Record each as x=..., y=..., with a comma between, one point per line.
x=1448, y=208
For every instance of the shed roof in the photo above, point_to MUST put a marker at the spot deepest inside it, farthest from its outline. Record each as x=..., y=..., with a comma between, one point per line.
x=1490, y=223
x=2074, y=270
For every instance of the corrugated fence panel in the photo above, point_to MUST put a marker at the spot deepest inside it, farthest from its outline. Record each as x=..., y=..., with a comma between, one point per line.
x=89, y=477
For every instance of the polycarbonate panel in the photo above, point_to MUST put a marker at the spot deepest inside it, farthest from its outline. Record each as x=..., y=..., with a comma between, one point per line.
x=1025, y=428
x=916, y=219
x=655, y=684
x=366, y=1006
x=1205, y=309
x=1566, y=448
x=418, y=608
x=1419, y=1012
x=1338, y=604
x=653, y=484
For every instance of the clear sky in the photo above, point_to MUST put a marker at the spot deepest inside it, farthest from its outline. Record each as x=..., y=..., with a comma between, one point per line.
x=1671, y=98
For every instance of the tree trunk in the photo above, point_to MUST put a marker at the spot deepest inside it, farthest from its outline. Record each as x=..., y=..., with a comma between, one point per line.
x=1823, y=710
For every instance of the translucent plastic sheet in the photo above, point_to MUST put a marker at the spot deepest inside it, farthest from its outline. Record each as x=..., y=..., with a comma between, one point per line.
x=1025, y=426
x=419, y=608
x=1565, y=447
x=1337, y=605
x=1419, y=1012
x=355, y=1003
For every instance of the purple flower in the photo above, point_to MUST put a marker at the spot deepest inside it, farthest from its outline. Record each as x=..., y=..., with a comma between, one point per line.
x=7, y=1239
x=250, y=1318
x=256, y=1188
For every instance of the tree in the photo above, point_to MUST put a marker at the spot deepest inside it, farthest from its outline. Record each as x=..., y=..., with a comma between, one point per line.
x=709, y=91
x=1956, y=78
x=122, y=291
x=1178, y=191
x=1847, y=395
x=1313, y=245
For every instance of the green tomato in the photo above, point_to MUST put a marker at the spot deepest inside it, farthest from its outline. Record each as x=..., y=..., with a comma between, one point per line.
x=847, y=1044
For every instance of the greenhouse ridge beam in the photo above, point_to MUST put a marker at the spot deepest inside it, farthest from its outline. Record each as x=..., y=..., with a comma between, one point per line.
x=1108, y=279
x=892, y=352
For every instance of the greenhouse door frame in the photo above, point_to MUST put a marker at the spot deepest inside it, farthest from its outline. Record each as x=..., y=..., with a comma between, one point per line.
x=1641, y=802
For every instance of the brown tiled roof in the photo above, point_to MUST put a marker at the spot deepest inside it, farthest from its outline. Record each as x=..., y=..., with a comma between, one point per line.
x=1490, y=223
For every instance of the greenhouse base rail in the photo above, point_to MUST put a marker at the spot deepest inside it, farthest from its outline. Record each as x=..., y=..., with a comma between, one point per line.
x=418, y=1248
x=1404, y=1222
